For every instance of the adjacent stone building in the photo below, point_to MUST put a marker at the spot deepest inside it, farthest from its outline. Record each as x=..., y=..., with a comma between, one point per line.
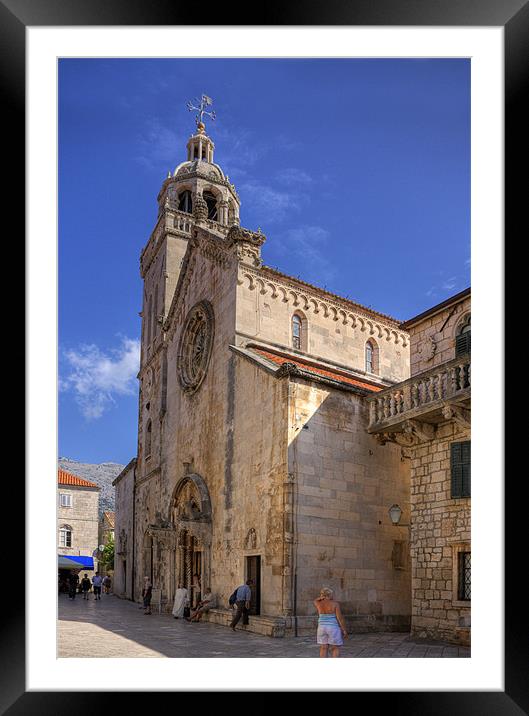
x=429, y=415
x=254, y=458
x=106, y=527
x=77, y=517
x=125, y=504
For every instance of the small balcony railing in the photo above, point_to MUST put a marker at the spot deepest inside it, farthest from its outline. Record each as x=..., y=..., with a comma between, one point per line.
x=420, y=394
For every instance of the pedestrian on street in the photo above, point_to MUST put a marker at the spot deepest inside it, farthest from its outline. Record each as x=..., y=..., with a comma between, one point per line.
x=203, y=606
x=242, y=603
x=85, y=586
x=97, y=581
x=73, y=581
x=107, y=583
x=181, y=601
x=147, y=595
x=331, y=625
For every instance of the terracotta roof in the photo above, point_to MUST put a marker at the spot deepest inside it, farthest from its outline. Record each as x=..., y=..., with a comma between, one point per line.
x=111, y=518
x=66, y=478
x=318, y=370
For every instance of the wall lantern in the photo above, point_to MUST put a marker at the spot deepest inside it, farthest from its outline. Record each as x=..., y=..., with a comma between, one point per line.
x=395, y=513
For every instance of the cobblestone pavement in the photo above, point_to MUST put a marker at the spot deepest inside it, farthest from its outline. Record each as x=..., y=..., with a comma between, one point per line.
x=114, y=627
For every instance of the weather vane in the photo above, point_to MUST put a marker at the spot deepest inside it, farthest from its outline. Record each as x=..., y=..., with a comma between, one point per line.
x=201, y=109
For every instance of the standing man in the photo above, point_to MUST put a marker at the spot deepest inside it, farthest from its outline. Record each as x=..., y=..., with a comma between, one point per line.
x=73, y=582
x=97, y=581
x=242, y=602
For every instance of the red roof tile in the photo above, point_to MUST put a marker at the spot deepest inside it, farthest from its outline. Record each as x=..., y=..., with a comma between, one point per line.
x=66, y=478
x=317, y=370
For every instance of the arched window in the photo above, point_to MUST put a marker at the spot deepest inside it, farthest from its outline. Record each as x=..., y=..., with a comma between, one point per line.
x=371, y=357
x=148, y=437
x=297, y=329
x=65, y=536
x=212, y=205
x=463, y=337
x=185, y=202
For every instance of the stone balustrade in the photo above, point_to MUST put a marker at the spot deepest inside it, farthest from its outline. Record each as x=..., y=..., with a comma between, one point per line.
x=183, y=222
x=419, y=394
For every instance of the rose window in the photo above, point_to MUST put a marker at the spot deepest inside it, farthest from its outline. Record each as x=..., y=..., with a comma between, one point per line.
x=195, y=346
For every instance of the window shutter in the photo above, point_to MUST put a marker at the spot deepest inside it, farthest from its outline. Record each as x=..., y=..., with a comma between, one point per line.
x=460, y=469
x=463, y=344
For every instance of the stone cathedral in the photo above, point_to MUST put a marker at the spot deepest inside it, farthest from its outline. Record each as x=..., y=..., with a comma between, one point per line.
x=254, y=458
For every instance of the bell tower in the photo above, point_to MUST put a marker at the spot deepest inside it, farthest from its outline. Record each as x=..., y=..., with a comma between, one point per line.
x=197, y=193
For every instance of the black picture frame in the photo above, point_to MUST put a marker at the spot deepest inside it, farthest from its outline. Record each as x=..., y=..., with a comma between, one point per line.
x=513, y=16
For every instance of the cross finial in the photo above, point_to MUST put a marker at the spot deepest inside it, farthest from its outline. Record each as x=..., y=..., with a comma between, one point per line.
x=205, y=101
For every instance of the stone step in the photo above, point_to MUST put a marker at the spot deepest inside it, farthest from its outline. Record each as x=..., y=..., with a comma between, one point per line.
x=267, y=626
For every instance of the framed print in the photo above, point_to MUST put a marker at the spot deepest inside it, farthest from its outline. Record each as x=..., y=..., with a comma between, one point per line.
x=70, y=65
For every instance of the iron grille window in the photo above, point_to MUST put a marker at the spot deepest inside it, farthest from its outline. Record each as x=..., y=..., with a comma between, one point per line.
x=460, y=469
x=464, y=576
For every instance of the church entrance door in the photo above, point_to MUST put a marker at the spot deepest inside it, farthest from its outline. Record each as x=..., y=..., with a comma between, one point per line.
x=253, y=571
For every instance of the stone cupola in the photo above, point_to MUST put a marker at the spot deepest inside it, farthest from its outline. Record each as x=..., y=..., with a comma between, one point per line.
x=198, y=191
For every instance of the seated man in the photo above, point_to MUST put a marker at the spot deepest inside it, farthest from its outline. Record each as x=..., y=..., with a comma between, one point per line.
x=205, y=604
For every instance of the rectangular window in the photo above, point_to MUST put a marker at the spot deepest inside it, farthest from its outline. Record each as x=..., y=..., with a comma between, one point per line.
x=66, y=500
x=460, y=469
x=463, y=589
x=66, y=538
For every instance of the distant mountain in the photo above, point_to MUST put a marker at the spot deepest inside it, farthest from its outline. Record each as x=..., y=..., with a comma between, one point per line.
x=102, y=475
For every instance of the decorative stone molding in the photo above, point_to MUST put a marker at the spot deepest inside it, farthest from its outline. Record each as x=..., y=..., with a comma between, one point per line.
x=422, y=431
x=314, y=303
x=457, y=413
x=288, y=369
x=200, y=208
x=194, y=350
x=251, y=539
x=215, y=251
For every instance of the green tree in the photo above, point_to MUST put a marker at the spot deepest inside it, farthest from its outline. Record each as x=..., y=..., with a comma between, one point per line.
x=107, y=557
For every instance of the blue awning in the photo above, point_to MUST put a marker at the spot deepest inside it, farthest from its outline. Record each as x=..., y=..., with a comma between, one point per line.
x=78, y=561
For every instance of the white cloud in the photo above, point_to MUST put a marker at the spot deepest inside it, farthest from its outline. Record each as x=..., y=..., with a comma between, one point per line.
x=450, y=283
x=271, y=205
x=293, y=177
x=96, y=378
x=309, y=245
x=161, y=148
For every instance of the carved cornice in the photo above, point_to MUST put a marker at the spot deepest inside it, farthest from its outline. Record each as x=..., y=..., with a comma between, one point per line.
x=311, y=299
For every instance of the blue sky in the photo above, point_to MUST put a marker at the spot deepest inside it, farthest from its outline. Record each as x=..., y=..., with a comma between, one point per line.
x=357, y=171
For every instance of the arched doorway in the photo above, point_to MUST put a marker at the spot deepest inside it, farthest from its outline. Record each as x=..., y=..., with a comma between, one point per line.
x=191, y=510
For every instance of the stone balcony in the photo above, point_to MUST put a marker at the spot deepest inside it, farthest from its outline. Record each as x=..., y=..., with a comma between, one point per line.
x=419, y=403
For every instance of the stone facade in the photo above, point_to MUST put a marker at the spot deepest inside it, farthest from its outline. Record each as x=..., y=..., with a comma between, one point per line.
x=81, y=518
x=124, y=532
x=430, y=415
x=253, y=454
